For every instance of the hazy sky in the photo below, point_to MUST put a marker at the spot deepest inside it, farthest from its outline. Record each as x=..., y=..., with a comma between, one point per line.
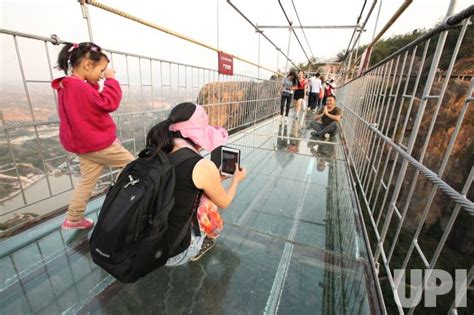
x=198, y=20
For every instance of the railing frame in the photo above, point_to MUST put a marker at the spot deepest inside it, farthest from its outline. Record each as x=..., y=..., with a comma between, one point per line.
x=369, y=103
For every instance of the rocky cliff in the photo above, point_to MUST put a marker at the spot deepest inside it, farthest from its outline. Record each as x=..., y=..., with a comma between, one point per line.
x=234, y=104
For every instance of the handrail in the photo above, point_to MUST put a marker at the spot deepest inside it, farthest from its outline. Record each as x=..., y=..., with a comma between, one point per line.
x=168, y=31
x=55, y=40
x=392, y=20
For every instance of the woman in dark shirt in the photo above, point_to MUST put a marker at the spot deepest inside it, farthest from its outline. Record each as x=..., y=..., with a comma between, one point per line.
x=187, y=129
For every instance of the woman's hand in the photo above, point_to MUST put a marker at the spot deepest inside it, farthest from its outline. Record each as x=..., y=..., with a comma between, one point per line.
x=239, y=174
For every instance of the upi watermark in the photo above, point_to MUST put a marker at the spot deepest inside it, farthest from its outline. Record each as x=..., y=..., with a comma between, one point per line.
x=435, y=282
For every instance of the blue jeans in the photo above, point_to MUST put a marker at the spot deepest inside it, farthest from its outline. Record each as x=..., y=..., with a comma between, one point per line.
x=322, y=130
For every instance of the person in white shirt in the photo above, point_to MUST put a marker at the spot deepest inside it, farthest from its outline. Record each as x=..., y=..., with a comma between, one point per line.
x=315, y=86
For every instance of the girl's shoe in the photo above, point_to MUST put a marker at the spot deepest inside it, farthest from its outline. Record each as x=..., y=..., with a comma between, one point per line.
x=85, y=223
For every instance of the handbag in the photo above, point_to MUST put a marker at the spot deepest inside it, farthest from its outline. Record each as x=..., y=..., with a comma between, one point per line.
x=209, y=218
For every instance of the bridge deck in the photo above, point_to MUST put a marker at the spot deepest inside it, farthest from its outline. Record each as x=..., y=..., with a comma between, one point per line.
x=291, y=244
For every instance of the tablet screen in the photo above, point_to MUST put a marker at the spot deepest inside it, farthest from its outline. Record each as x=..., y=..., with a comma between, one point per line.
x=229, y=159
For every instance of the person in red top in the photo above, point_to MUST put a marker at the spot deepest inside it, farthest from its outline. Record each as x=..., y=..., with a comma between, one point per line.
x=85, y=125
x=300, y=92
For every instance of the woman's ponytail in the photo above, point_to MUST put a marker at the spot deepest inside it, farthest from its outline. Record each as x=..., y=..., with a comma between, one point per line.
x=160, y=138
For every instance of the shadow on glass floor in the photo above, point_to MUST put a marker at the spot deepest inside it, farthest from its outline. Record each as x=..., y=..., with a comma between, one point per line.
x=291, y=244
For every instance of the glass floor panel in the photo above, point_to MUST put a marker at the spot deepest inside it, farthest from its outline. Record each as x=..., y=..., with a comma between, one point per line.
x=247, y=272
x=291, y=244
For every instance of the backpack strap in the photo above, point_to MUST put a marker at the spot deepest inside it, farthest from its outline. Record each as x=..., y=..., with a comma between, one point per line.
x=183, y=232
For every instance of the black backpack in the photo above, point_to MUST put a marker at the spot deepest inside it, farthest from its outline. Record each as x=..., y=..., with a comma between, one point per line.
x=129, y=239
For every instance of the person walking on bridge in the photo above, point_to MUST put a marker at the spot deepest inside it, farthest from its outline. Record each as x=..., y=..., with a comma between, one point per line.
x=289, y=83
x=315, y=86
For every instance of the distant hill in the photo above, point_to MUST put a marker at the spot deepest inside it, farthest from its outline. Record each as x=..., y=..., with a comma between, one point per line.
x=386, y=47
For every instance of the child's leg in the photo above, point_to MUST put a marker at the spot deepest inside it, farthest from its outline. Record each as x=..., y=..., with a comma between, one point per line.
x=90, y=172
x=92, y=165
x=114, y=156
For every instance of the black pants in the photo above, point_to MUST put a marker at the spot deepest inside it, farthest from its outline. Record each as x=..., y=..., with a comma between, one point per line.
x=286, y=99
x=313, y=100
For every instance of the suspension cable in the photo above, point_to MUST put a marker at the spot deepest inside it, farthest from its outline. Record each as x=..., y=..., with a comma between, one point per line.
x=355, y=29
x=290, y=23
x=168, y=31
x=302, y=28
x=258, y=30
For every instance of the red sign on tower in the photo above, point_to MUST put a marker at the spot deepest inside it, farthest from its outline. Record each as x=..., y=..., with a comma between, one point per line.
x=226, y=63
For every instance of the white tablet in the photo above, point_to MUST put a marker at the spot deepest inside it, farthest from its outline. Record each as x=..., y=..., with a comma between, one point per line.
x=229, y=158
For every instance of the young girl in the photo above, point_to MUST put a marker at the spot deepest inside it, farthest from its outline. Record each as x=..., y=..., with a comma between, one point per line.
x=85, y=125
x=187, y=128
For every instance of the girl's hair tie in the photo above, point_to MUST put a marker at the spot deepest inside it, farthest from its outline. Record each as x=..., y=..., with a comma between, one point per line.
x=74, y=46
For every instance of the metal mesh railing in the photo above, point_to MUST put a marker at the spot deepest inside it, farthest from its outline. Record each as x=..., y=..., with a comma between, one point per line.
x=38, y=175
x=409, y=139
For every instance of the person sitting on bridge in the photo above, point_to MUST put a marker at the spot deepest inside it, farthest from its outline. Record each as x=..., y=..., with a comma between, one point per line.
x=330, y=115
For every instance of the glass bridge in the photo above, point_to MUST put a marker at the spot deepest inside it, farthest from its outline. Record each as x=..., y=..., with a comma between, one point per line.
x=292, y=242
x=318, y=226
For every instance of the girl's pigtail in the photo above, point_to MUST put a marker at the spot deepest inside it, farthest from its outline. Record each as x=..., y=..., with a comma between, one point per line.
x=64, y=58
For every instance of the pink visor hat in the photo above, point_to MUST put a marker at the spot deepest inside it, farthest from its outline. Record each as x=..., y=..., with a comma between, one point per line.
x=197, y=130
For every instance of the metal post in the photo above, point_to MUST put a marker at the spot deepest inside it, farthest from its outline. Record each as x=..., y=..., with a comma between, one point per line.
x=288, y=50
x=278, y=60
x=56, y=103
x=258, y=57
x=85, y=15
x=30, y=105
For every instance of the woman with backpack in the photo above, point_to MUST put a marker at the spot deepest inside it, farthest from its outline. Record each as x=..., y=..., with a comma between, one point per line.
x=187, y=129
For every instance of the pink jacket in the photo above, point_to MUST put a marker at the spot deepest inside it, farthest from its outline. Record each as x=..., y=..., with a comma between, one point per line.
x=84, y=121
